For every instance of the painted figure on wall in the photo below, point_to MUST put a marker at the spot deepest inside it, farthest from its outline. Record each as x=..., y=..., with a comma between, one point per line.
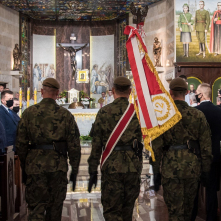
x=185, y=23
x=215, y=35
x=51, y=71
x=73, y=52
x=202, y=22
x=94, y=78
x=157, y=52
x=35, y=77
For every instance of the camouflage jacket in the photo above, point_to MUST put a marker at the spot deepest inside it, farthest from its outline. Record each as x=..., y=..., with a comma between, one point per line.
x=41, y=124
x=183, y=163
x=106, y=120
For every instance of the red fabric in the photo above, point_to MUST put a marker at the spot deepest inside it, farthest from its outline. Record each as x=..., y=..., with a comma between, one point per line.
x=140, y=93
x=117, y=132
x=153, y=85
x=212, y=31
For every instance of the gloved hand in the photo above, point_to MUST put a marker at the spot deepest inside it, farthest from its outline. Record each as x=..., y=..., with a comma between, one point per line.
x=92, y=180
x=73, y=178
x=204, y=178
x=157, y=181
x=24, y=176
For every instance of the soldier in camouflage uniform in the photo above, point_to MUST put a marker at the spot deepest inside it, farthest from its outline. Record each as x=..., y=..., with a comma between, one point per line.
x=180, y=167
x=43, y=129
x=120, y=181
x=202, y=21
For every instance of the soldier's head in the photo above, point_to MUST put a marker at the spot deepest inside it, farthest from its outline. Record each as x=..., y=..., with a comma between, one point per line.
x=7, y=98
x=178, y=89
x=122, y=87
x=185, y=8
x=50, y=88
x=219, y=6
x=201, y=4
x=203, y=92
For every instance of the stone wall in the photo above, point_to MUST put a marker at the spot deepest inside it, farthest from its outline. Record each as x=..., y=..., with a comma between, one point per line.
x=9, y=36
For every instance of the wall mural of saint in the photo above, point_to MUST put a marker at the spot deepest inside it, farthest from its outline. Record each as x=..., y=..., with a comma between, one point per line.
x=102, y=64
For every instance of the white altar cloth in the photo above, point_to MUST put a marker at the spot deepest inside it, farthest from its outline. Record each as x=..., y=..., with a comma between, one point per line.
x=84, y=119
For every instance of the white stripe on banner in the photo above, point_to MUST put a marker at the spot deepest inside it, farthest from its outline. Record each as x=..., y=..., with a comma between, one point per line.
x=143, y=82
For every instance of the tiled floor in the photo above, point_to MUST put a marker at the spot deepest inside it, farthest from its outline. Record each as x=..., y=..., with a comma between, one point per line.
x=83, y=206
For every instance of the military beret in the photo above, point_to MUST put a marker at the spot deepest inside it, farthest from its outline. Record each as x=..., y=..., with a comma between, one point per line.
x=51, y=82
x=178, y=84
x=186, y=5
x=122, y=81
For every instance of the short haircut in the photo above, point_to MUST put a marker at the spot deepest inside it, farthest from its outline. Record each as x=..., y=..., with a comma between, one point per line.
x=15, y=99
x=206, y=90
x=50, y=90
x=193, y=98
x=202, y=2
x=179, y=93
x=122, y=90
x=2, y=85
x=4, y=93
x=183, y=77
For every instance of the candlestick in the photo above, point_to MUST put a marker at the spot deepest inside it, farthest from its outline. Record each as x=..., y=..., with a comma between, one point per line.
x=20, y=97
x=20, y=101
x=28, y=96
x=35, y=96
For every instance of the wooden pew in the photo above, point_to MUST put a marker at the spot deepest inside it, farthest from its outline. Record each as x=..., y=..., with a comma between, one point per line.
x=20, y=203
x=7, y=187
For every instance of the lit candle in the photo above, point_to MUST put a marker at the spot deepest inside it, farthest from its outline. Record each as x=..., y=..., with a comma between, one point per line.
x=20, y=97
x=20, y=101
x=35, y=96
x=28, y=96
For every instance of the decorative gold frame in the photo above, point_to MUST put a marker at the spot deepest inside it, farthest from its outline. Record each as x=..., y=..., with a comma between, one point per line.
x=83, y=76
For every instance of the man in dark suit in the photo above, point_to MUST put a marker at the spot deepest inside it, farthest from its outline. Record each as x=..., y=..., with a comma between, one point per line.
x=2, y=138
x=7, y=117
x=15, y=110
x=213, y=116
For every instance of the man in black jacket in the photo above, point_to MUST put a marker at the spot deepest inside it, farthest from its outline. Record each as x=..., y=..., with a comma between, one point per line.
x=213, y=116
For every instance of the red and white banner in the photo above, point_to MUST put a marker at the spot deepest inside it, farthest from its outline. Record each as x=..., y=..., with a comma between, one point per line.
x=153, y=104
x=117, y=132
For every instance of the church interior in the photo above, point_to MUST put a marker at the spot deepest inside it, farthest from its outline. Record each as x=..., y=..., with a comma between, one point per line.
x=72, y=41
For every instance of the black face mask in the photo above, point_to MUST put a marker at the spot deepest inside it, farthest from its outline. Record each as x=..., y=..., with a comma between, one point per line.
x=197, y=98
x=16, y=109
x=9, y=103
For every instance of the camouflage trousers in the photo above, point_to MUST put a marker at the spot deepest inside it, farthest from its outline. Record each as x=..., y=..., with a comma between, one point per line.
x=118, y=194
x=179, y=195
x=45, y=194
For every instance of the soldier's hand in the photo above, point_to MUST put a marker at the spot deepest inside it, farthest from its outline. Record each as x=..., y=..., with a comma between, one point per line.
x=24, y=176
x=204, y=178
x=73, y=178
x=92, y=181
x=157, y=181
x=180, y=29
x=205, y=31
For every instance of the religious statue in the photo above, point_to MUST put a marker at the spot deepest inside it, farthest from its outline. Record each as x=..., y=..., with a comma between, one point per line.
x=157, y=52
x=73, y=52
x=16, y=56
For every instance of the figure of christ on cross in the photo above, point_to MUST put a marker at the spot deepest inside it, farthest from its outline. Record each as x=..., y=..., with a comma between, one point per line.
x=73, y=52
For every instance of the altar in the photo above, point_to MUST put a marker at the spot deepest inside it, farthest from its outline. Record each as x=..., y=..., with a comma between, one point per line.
x=84, y=118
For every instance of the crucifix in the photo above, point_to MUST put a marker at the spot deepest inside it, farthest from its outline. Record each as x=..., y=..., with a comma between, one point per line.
x=73, y=48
